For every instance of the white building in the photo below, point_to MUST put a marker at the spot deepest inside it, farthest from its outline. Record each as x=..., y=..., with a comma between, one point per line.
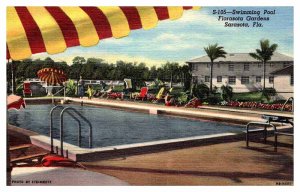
x=284, y=82
x=241, y=71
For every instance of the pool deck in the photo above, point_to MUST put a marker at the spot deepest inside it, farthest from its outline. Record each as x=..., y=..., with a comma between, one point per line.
x=225, y=163
x=218, y=113
x=206, y=112
x=228, y=163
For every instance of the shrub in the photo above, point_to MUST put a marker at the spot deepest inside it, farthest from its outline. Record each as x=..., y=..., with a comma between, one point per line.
x=226, y=92
x=71, y=88
x=182, y=98
x=213, y=99
x=268, y=93
x=200, y=91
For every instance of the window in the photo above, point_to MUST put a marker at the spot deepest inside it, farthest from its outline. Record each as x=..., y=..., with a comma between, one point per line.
x=258, y=79
x=230, y=67
x=271, y=64
x=245, y=80
x=195, y=67
x=231, y=80
x=246, y=67
x=259, y=65
x=271, y=79
x=207, y=78
x=218, y=65
x=292, y=79
x=208, y=65
x=219, y=79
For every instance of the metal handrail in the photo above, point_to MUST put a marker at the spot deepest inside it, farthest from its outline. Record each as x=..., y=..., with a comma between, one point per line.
x=62, y=126
x=265, y=124
x=289, y=99
x=51, y=126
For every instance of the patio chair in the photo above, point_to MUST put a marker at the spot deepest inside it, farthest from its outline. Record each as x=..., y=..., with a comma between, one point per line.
x=27, y=89
x=143, y=94
x=160, y=95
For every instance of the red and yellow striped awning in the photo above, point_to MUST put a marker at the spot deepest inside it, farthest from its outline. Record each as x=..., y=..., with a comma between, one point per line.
x=33, y=30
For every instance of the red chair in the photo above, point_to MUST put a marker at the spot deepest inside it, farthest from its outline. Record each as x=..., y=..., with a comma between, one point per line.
x=27, y=89
x=143, y=94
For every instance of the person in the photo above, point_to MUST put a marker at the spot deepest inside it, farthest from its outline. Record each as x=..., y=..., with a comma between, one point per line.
x=90, y=92
x=169, y=101
x=103, y=85
x=81, y=87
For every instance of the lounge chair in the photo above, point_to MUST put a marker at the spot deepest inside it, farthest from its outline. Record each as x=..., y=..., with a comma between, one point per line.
x=160, y=95
x=143, y=94
x=112, y=95
x=27, y=89
x=105, y=94
x=193, y=103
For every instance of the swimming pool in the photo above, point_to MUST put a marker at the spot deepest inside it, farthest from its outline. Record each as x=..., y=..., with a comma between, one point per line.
x=113, y=127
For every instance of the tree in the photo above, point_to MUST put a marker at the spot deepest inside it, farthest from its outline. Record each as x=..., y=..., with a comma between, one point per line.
x=264, y=55
x=79, y=60
x=226, y=92
x=214, y=52
x=186, y=76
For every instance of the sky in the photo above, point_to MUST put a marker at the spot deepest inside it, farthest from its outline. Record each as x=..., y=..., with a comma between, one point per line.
x=184, y=39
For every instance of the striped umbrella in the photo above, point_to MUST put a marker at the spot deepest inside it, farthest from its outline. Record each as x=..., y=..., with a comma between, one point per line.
x=33, y=30
x=52, y=76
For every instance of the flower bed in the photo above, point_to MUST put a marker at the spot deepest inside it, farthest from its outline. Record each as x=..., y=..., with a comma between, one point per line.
x=256, y=105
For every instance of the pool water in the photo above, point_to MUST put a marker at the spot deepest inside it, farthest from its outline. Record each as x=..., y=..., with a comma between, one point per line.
x=115, y=127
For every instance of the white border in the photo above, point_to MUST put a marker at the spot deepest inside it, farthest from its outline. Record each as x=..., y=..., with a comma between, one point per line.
x=141, y=3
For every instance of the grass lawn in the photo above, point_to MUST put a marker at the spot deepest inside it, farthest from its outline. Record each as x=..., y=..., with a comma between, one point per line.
x=251, y=96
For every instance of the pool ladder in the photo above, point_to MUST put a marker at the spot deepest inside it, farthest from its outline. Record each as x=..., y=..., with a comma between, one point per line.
x=77, y=118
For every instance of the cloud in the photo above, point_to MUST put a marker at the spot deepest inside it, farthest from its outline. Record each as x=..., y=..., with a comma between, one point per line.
x=168, y=37
x=181, y=41
x=198, y=17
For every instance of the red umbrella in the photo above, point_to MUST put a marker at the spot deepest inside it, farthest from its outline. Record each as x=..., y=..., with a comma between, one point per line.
x=52, y=76
x=15, y=102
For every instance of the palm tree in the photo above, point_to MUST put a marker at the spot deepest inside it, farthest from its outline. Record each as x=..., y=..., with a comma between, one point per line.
x=264, y=55
x=214, y=52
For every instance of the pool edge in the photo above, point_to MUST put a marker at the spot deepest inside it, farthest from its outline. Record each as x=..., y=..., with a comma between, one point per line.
x=122, y=151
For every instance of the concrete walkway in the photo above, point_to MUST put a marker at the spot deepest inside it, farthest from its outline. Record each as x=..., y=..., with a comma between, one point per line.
x=214, y=114
x=218, y=164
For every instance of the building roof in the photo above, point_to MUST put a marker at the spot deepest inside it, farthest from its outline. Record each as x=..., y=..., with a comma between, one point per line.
x=241, y=57
x=287, y=70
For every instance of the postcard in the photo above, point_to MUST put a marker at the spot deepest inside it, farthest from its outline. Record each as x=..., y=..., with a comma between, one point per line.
x=150, y=95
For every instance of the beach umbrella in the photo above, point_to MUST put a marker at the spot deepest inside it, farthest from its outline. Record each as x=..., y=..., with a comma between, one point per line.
x=15, y=102
x=52, y=76
x=34, y=29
